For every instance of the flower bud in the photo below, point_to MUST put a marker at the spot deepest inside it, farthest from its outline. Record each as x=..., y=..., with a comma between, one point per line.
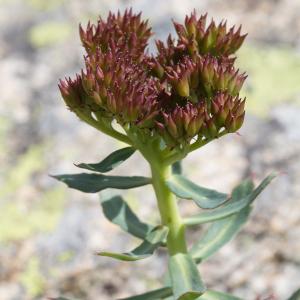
x=179, y=76
x=194, y=126
x=240, y=121
x=210, y=130
x=180, y=30
x=182, y=87
x=72, y=92
x=171, y=126
x=156, y=67
x=234, y=123
x=97, y=98
x=165, y=135
x=191, y=24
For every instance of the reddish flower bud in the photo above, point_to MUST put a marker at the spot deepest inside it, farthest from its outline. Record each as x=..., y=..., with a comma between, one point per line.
x=171, y=142
x=234, y=123
x=73, y=92
x=240, y=121
x=194, y=126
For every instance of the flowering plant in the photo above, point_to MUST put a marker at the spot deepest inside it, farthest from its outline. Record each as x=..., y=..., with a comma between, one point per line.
x=166, y=105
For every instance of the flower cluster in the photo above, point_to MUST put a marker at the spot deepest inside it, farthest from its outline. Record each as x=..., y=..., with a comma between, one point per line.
x=215, y=40
x=189, y=89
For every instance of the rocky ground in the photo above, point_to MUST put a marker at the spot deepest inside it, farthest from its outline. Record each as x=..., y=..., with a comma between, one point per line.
x=48, y=235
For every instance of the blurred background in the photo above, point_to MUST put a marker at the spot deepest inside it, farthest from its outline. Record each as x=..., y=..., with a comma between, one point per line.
x=49, y=234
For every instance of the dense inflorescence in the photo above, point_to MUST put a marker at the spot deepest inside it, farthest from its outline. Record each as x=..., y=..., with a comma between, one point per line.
x=188, y=90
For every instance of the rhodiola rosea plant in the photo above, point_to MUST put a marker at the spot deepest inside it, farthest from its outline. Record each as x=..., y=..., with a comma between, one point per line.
x=164, y=105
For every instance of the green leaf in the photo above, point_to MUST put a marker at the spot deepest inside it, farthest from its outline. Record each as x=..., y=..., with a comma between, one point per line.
x=295, y=296
x=110, y=162
x=245, y=188
x=177, y=167
x=118, y=212
x=221, y=232
x=185, y=278
x=213, y=295
x=93, y=183
x=203, y=197
x=218, y=234
x=153, y=295
x=154, y=239
x=242, y=196
x=217, y=214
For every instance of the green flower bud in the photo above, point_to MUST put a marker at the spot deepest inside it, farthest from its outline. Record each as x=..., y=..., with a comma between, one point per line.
x=183, y=87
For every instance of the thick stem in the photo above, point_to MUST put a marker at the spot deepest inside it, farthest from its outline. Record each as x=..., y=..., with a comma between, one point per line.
x=168, y=209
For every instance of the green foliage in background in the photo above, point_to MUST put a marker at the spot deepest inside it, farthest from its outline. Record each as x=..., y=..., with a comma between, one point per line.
x=274, y=76
x=40, y=216
x=27, y=164
x=49, y=33
x=31, y=278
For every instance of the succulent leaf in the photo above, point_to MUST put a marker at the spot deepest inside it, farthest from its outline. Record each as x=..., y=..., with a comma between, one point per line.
x=93, y=183
x=203, y=197
x=118, y=212
x=218, y=234
x=110, y=162
x=153, y=240
x=214, y=295
x=242, y=196
x=156, y=294
x=185, y=279
x=222, y=231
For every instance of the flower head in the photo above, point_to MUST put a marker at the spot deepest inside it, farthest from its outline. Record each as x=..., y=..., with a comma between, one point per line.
x=127, y=32
x=189, y=90
x=115, y=82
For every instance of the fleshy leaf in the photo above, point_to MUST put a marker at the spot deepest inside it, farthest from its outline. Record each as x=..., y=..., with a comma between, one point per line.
x=177, y=167
x=242, y=196
x=153, y=295
x=213, y=295
x=221, y=232
x=203, y=197
x=295, y=296
x=153, y=240
x=218, y=234
x=93, y=183
x=246, y=187
x=185, y=278
x=118, y=212
x=110, y=162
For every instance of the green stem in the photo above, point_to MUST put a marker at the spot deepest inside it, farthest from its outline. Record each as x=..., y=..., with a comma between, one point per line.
x=201, y=143
x=166, y=200
x=168, y=209
x=105, y=129
x=196, y=145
